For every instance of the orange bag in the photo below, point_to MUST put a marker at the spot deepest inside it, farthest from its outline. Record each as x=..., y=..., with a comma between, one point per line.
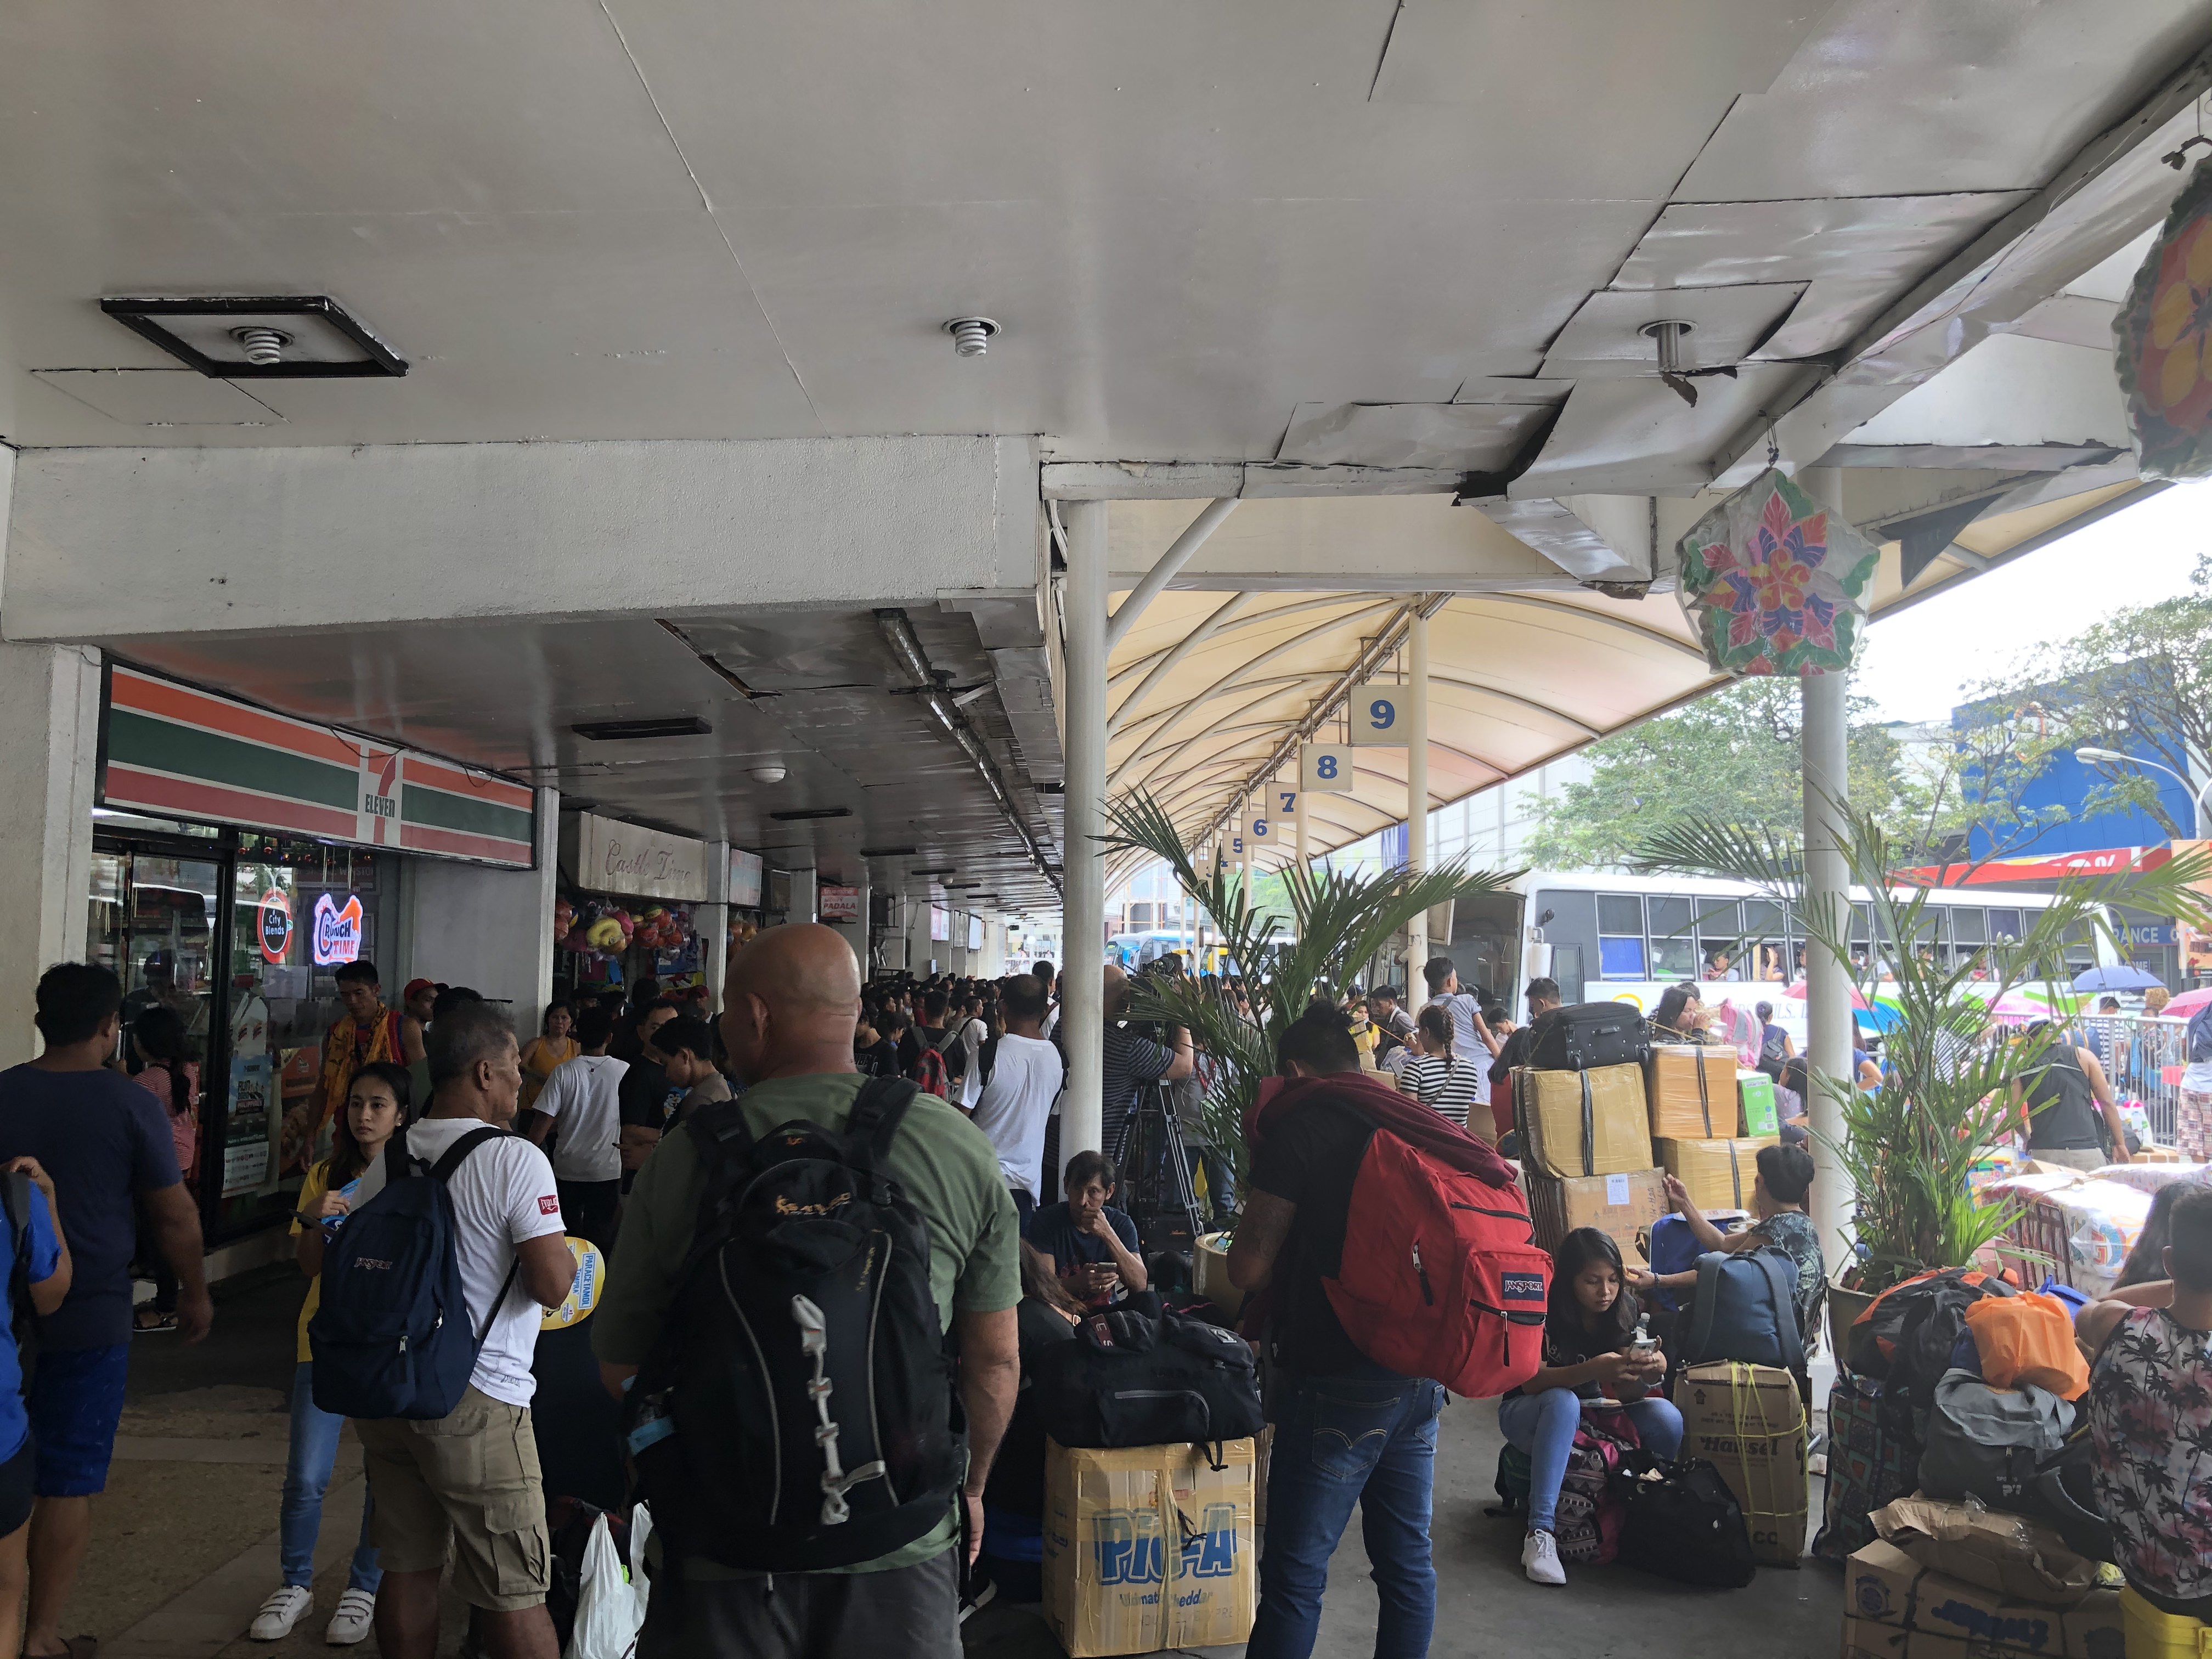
x=2027, y=1340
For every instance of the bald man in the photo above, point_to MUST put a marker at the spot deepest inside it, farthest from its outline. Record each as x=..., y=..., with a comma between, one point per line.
x=787, y=1021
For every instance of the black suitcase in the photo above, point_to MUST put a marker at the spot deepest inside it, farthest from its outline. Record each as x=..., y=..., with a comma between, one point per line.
x=1129, y=1381
x=1589, y=1033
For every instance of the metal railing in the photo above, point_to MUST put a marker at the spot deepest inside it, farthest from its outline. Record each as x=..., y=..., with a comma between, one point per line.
x=2144, y=1057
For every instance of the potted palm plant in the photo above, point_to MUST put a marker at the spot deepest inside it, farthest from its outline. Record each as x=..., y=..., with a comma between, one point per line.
x=1946, y=1094
x=1339, y=922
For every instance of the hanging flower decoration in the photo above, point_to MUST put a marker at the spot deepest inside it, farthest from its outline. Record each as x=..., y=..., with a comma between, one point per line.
x=2164, y=336
x=1774, y=584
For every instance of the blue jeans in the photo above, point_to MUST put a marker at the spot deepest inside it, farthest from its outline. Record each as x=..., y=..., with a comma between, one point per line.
x=1544, y=1425
x=1369, y=1438
x=314, y=1453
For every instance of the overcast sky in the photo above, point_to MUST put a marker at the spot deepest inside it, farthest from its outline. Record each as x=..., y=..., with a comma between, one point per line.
x=1918, y=662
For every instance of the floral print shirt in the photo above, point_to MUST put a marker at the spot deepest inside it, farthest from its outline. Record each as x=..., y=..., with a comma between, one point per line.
x=1793, y=1232
x=2150, y=1423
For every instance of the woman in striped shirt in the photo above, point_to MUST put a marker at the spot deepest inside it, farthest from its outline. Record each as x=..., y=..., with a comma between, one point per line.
x=1437, y=1076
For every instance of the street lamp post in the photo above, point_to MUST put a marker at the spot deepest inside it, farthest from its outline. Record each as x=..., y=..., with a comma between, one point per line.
x=2114, y=757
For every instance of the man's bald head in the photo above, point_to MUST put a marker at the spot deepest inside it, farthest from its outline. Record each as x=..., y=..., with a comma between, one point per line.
x=793, y=994
x=1117, y=991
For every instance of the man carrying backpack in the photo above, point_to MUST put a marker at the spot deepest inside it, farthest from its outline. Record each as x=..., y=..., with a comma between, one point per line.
x=802, y=1544
x=1349, y=1430
x=468, y=1482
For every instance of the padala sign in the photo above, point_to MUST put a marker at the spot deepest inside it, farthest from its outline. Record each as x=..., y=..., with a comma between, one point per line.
x=609, y=856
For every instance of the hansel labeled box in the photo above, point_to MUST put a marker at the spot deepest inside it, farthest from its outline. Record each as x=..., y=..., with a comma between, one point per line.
x=1148, y=1547
x=1748, y=1422
x=1621, y=1204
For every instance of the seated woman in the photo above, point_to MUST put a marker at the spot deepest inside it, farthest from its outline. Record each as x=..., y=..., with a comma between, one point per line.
x=1587, y=1330
x=1013, y=1497
x=1778, y=1193
x=1093, y=1246
x=2150, y=1418
x=1680, y=1015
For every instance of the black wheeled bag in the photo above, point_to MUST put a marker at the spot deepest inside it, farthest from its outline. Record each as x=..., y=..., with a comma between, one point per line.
x=1683, y=1523
x=798, y=1413
x=1130, y=1381
x=1587, y=1035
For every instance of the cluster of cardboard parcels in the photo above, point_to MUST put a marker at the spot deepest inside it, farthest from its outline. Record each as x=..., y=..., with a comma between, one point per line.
x=1947, y=1582
x=1594, y=1143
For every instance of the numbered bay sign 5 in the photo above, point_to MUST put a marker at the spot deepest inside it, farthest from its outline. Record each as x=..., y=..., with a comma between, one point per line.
x=1326, y=768
x=1378, y=712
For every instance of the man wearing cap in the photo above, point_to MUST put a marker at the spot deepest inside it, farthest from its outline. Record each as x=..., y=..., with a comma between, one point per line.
x=417, y=998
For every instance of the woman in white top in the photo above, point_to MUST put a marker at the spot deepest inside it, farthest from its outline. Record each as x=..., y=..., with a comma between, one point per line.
x=1437, y=1076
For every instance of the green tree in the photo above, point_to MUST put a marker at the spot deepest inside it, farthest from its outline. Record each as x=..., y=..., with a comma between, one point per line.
x=1734, y=754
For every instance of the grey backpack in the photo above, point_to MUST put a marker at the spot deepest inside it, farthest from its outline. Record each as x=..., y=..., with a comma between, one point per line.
x=1986, y=1442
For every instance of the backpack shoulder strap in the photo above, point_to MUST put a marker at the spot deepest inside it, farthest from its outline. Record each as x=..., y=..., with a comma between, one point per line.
x=877, y=1110
x=1701, y=1321
x=1781, y=1270
x=444, y=1168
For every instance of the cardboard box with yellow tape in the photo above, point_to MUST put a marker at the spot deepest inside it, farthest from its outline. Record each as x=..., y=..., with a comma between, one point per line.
x=1748, y=1422
x=1149, y=1548
x=1691, y=1093
x=1718, y=1173
x=1581, y=1123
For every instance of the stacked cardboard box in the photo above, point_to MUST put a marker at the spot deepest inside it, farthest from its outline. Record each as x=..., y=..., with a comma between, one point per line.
x=1718, y=1173
x=1692, y=1093
x=1900, y=1609
x=1581, y=1123
x=1748, y=1422
x=1622, y=1204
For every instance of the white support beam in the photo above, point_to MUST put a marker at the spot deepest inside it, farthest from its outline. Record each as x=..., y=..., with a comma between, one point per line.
x=1167, y=567
x=1417, y=780
x=1084, y=931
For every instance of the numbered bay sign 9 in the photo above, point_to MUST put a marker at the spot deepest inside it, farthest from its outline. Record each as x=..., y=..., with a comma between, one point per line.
x=1326, y=768
x=1378, y=713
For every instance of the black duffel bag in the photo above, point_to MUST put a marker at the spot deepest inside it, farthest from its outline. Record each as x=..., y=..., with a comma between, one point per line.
x=1130, y=1381
x=1683, y=1523
x=1587, y=1034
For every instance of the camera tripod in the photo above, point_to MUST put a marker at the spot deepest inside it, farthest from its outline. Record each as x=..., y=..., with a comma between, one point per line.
x=1157, y=1188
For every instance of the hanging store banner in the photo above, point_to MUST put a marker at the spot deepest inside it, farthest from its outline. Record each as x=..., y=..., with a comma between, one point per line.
x=745, y=872
x=2164, y=341
x=175, y=752
x=1774, y=583
x=609, y=856
x=836, y=903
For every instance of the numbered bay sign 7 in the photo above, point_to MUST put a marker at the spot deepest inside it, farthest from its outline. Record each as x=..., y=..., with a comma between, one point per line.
x=1326, y=768
x=1377, y=713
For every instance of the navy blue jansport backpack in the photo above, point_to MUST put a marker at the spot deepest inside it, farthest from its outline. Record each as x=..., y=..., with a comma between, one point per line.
x=392, y=1336
x=1746, y=1309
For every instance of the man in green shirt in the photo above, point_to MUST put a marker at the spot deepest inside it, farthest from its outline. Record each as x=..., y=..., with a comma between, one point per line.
x=793, y=995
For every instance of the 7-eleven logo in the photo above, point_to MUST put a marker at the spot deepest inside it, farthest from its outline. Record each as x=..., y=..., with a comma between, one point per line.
x=377, y=813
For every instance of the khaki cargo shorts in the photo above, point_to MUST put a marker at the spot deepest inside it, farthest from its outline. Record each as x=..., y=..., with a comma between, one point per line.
x=469, y=1483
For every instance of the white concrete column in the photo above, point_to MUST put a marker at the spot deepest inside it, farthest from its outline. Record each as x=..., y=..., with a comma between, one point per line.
x=1417, y=780
x=1299, y=821
x=711, y=919
x=1828, y=1019
x=489, y=929
x=1083, y=986
x=49, y=763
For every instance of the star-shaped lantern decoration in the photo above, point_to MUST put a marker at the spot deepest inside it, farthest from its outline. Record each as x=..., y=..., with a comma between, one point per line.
x=1775, y=584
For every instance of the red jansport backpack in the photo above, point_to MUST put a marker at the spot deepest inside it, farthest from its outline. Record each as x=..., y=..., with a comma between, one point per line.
x=1441, y=1277
x=927, y=1073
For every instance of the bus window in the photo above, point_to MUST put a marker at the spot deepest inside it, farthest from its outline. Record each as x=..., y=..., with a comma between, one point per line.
x=1620, y=936
x=2004, y=924
x=1766, y=940
x=1970, y=924
x=1720, y=939
x=1673, y=950
x=1567, y=969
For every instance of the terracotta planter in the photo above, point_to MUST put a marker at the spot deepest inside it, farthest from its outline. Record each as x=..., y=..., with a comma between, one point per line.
x=1843, y=1308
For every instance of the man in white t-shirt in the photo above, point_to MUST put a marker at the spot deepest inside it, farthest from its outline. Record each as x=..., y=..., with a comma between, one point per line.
x=582, y=1101
x=1025, y=1079
x=468, y=1483
x=973, y=1033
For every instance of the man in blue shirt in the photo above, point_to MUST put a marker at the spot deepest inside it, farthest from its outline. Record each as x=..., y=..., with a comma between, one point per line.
x=32, y=1235
x=1093, y=1247
x=107, y=1148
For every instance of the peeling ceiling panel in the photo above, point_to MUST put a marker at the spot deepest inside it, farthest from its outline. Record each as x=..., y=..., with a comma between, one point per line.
x=1474, y=437
x=1728, y=325
x=161, y=397
x=1857, y=253
x=1634, y=437
x=2071, y=319
x=1891, y=99
x=2010, y=389
x=2112, y=279
x=1508, y=389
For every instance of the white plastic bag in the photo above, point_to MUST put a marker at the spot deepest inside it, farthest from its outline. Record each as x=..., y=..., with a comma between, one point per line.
x=640, y=1528
x=608, y=1611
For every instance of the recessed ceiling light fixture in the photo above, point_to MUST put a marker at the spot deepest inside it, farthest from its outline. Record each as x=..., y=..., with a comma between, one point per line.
x=971, y=336
x=768, y=772
x=292, y=336
x=1670, y=334
x=676, y=725
x=800, y=814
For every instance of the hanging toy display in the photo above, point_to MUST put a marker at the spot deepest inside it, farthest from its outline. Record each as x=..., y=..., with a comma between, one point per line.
x=662, y=929
x=601, y=927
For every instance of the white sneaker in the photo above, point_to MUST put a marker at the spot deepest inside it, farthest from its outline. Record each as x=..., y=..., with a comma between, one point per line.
x=283, y=1610
x=1539, y=1559
x=355, y=1618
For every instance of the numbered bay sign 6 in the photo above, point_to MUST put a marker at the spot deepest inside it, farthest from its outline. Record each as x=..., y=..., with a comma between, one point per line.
x=1326, y=768
x=1378, y=713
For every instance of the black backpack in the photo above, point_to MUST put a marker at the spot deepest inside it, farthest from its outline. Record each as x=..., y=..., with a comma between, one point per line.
x=1683, y=1523
x=796, y=1414
x=1127, y=1380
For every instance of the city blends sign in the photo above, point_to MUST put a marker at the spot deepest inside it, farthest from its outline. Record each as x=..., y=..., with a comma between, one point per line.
x=176, y=752
x=609, y=856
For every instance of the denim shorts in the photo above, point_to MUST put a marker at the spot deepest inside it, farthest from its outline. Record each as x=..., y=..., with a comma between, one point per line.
x=75, y=1401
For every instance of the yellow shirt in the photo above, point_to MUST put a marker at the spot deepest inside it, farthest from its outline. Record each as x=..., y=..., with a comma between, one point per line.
x=317, y=1183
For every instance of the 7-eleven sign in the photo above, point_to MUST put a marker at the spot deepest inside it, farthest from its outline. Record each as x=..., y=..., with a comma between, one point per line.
x=377, y=806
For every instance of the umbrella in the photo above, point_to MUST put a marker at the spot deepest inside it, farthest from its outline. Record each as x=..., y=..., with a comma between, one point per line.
x=2118, y=979
x=1797, y=993
x=2187, y=1004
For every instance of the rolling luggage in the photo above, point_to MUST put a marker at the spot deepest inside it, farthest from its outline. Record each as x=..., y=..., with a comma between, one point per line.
x=1589, y=1033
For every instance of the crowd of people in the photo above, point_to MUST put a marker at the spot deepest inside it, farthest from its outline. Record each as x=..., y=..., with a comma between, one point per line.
x=618, y=1107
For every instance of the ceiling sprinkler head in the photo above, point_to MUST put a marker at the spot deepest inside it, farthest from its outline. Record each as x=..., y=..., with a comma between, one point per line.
x=1670, y=335
x=971, y=336
x=264, y=346
x=770, y=772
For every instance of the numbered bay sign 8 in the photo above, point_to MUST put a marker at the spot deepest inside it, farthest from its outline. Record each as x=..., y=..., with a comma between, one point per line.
x=1378, y=713
x=1326, y=768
